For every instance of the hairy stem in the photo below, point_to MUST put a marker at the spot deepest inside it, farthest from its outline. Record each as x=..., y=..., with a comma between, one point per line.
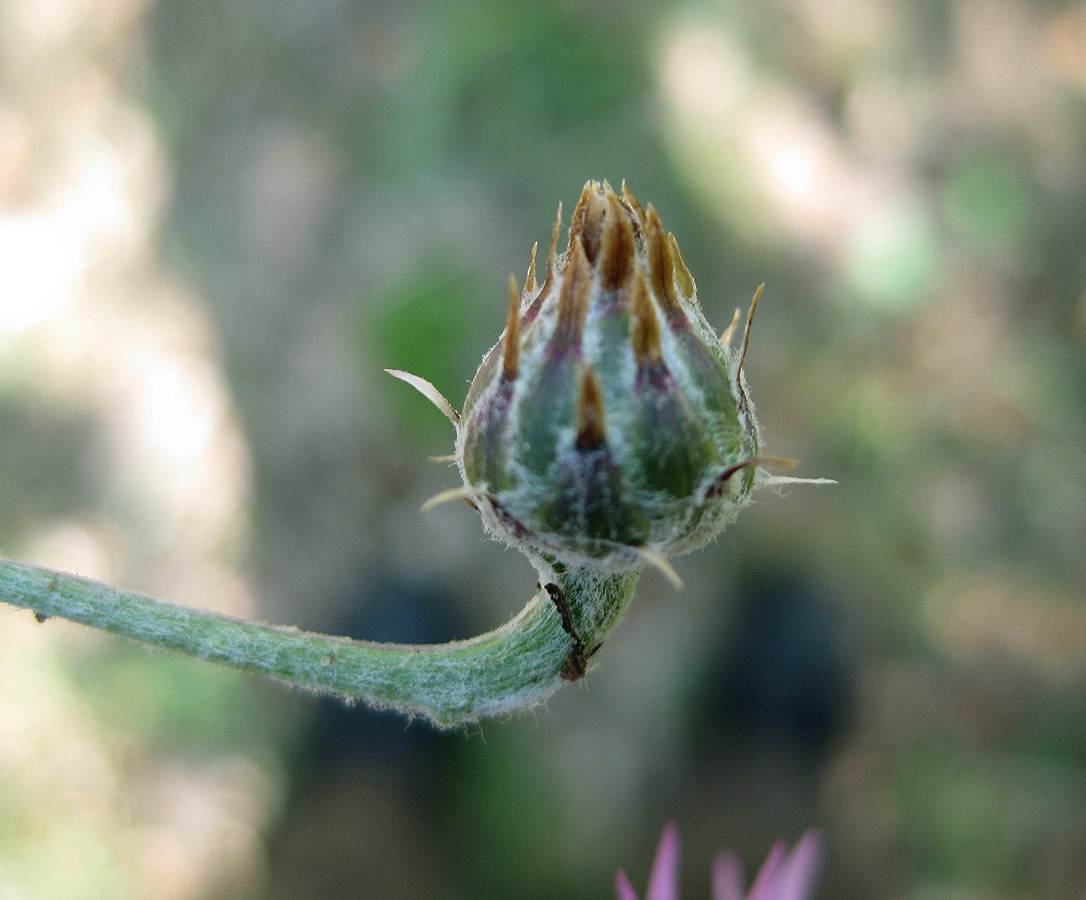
x=514, y=666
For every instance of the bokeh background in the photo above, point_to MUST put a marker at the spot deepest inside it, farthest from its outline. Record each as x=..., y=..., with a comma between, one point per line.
x=221, y=219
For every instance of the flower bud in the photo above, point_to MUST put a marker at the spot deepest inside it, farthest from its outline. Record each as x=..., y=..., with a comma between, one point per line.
x=609, y=426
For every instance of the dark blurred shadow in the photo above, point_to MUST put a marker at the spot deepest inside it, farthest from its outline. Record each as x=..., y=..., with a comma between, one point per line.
x=369, y=789
x=780, y=675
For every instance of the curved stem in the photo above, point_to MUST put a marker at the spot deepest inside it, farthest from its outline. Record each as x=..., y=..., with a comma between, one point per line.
x=514, y=666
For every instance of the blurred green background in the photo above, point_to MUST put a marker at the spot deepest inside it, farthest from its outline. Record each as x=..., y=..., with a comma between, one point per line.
x=219, y=221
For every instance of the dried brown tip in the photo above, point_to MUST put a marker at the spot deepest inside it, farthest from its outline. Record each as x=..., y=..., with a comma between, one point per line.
x=781, y=462
x=616, y=262
x=661, y=270
x=428, y=391
x=511, y=350
x=776, y=481
x=576, y=221
x=470, y=495
x=658, y=561
x=726, y=334
x=645, y=328
x=587, y=219
x=746, y=329
x=631, y=202
x=529, y=280
x=590, y=426
x=682, y=273
x=552, y=258
x=575, y=295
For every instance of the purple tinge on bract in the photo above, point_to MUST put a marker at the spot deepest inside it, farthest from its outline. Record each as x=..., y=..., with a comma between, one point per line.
x=609, y=426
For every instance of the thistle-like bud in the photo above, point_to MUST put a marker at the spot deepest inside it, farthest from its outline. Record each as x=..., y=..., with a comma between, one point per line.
x=609, y=426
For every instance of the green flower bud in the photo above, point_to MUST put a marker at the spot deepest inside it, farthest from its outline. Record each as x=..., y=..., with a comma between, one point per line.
x=609, y=426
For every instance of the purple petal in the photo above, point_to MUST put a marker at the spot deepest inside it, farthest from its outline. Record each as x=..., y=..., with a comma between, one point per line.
x=796, y=876
x=727, y=878
x=623, y=888
x=664, y=880
x=763, y=882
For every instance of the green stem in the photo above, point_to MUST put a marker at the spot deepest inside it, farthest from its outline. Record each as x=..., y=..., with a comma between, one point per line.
x=514, y=666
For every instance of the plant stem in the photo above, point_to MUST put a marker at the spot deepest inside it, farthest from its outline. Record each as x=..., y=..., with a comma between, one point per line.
x=514, y=666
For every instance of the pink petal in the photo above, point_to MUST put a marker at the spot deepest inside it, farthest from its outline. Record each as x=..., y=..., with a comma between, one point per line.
x=664, y=880
x=763, y=882
x=727, y=878
x=796, y=876
x=623, y=887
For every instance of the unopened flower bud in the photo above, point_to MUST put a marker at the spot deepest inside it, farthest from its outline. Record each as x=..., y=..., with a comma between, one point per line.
x=609, y=426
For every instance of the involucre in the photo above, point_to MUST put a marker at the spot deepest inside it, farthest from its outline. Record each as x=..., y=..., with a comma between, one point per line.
x=609, y=427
